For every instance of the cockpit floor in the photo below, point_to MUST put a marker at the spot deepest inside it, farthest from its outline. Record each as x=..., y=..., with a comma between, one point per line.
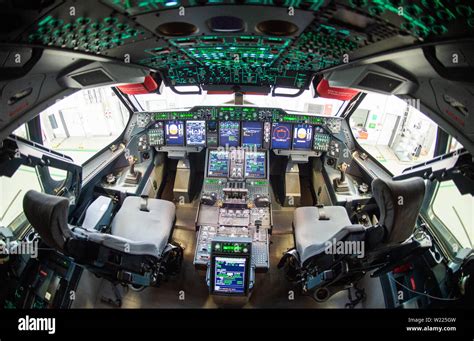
x=271, y=288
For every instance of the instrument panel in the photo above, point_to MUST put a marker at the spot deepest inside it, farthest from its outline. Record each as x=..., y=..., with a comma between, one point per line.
x=248, y=127
x=239, y=113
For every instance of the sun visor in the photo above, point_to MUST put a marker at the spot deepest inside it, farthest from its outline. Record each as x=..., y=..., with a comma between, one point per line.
x=100, y=74
x=373, y=78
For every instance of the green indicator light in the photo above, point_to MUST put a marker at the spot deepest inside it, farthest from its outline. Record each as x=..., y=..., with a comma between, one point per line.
x=161, y=116
x=45, y=20
x=55, y=22
x=260, y=183
x=83, y=21
x=143, y=4
x=110, y=20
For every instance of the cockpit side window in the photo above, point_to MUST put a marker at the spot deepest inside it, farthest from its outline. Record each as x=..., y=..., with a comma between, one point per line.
x=13, y=190
x=393, y=132
x=451, y=215
x=83, y=124
x=22, y=131
x=396, y=134
x=46, y=179
x=453, y=145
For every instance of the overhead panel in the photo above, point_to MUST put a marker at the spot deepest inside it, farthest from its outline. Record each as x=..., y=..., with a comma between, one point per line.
x=228, y=43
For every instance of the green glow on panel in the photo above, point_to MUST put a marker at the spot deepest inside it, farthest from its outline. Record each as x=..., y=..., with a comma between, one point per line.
x=45, y=20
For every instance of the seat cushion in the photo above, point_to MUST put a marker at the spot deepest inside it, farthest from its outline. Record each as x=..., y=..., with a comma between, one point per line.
x=311, y=234
x=138, y=226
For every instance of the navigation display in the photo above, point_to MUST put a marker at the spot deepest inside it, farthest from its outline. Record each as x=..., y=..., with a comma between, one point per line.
x=229, y=133
x=218, y=164
x=229, y=275
x=252, y=134
x=281, y=135
x=302, y=134
x=255, y=165
x=174, y=133
x=195, y=133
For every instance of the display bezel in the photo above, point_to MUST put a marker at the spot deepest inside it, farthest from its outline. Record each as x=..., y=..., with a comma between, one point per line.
x=186, y=134
x=242, y=136
x=209, y=163
x=165, y=125
x=290, y=137
x=264, y=165
x=213, y=274
x=220, y=136
x=311, y=134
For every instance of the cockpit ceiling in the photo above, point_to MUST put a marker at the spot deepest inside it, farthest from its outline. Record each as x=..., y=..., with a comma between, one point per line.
x=260, y=43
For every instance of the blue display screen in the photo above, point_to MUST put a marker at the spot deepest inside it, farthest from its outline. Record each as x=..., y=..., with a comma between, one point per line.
x=229, y=133
x=196, y=133
x=281, y=135
x=229, y=275
x=252, y=134
x=302, y=135
x=174, y=133
x=218, y=164
x=255, y=165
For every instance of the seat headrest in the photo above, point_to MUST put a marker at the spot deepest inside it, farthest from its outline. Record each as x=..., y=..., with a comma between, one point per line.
x=399, y=203
x=48, y=214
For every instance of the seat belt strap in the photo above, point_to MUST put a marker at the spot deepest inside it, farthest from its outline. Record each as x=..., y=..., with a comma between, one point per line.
x=322, y=213
x=133, y=278
x=144, y=203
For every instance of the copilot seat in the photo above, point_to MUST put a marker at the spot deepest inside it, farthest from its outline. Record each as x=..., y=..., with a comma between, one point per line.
x=138, y=251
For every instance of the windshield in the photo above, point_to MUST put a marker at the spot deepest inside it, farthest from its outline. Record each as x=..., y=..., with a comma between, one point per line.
x=303, y=103
x=395, y=133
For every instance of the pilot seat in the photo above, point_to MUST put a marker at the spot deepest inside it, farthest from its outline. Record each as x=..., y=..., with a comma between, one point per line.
x=138, y=252
x=332, y=254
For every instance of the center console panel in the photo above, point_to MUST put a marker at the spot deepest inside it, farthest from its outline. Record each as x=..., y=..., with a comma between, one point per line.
x=235, y=203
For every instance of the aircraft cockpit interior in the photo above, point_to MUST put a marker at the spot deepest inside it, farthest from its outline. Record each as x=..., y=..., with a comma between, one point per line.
x=272, y=154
